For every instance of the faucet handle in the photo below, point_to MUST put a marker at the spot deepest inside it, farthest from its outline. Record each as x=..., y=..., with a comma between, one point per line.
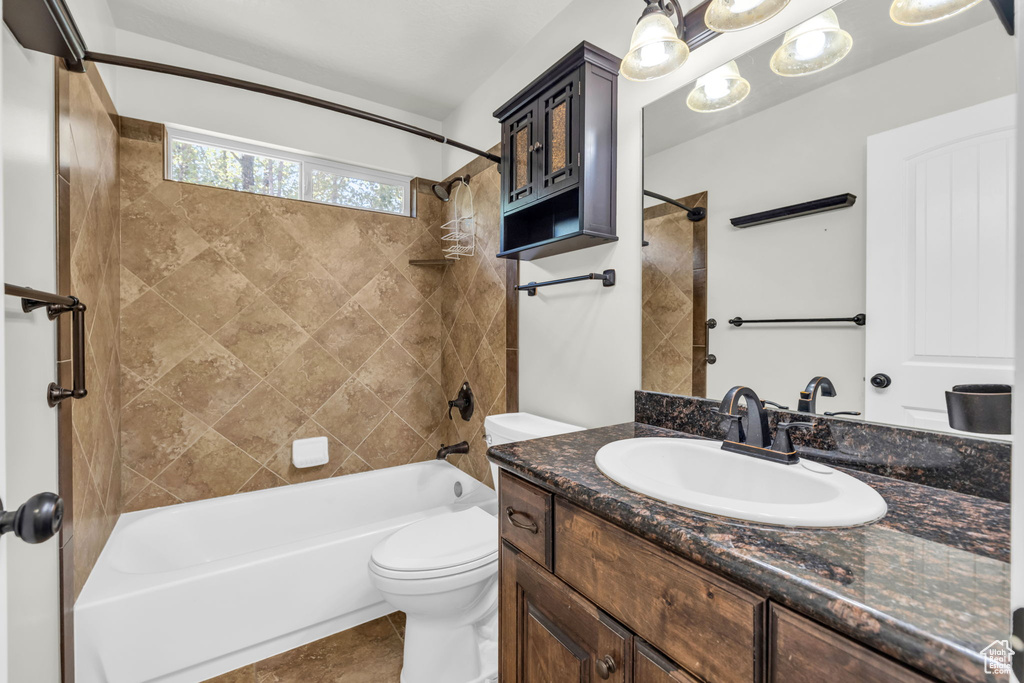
x=773, y=403
x=782, y=443
x=735, y=432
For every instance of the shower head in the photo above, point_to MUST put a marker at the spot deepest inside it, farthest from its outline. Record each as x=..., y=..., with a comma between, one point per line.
x=443, y=191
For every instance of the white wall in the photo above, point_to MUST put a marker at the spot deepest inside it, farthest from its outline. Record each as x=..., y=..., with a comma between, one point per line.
x=259, y=118
x=1017, y=468
x=29, y=249
x=579, y=348
x=96, y=24
x=810, y=147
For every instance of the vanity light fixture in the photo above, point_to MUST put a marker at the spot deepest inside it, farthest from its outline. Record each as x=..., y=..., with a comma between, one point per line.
x=719, y=89
x=921, y=12
x=735, y=15
x=813, y=46
x=657, y=48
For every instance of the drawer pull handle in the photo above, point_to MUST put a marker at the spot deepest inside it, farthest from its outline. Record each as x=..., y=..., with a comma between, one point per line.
x=605, y=667
x=517, y=520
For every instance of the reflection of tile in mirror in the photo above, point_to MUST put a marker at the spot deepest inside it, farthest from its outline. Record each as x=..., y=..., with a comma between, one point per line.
x=674, y=272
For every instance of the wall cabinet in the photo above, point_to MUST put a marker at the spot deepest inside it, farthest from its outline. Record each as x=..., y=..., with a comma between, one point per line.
x=584, y=600
x=558, y=158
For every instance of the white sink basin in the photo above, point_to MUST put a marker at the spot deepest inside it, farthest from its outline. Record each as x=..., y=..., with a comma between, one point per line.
x=699, y=475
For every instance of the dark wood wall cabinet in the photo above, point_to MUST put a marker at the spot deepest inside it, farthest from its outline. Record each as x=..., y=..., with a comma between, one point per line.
x=583, y=600
x=558, y=158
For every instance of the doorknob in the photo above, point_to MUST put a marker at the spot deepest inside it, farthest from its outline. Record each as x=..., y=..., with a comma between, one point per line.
x=37, y=520
x=881, y=380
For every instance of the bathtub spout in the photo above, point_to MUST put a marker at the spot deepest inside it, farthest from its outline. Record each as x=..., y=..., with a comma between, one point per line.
x=444, y=451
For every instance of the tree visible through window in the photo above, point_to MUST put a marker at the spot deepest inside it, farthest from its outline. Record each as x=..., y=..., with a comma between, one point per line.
x=199, y=159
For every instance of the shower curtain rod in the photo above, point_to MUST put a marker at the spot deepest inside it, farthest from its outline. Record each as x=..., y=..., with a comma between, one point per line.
x=48, y=26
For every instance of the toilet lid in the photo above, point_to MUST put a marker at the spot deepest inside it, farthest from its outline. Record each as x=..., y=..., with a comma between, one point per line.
x=440, y=542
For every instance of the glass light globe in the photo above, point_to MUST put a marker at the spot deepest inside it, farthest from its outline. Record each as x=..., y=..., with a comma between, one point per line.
x=655, y=49
x=735, y=15
x=813, y=46
x=920, y=12
x=719, y=89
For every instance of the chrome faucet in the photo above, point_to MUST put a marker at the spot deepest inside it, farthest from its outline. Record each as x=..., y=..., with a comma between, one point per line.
x=749, y=434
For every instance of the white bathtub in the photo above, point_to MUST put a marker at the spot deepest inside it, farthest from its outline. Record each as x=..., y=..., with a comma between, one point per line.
x=184, y=593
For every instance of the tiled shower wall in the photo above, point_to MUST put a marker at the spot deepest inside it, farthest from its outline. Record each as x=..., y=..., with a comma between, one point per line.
x=249, y=321
x=473, y=309
x=90, y=233
x=675, y=299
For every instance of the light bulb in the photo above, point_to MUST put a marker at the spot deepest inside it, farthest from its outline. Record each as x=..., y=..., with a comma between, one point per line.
x=920, y=12
x=813, y=46
x=736, y=15
x=810, y=45
x=719, y=89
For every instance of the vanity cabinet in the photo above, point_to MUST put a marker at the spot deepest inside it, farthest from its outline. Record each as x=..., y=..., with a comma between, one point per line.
x=582, y=599
x=558, y=158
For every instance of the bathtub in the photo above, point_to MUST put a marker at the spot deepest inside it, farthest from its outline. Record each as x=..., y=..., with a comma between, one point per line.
x=184, y=593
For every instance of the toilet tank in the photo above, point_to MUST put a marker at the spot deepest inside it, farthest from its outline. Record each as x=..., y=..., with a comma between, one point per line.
x=509, y=427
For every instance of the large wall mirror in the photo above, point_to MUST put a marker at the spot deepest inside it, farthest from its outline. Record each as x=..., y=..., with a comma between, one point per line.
x=853, y=170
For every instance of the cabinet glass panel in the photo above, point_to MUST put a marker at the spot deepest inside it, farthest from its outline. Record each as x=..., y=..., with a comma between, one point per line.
x=559, y=158
x=522, y=158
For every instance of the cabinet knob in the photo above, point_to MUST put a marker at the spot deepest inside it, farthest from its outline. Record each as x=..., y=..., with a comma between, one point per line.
x=605, y=667
x=537, y=146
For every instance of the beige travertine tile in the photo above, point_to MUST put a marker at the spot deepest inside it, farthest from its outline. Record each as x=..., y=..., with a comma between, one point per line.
x=353, y=465
x=422, y=335
x=308, y=294
x=424, y=406
x=425, y=278
x=155, y=337
x=281, y=462
x=247, y=674
x=466, y=334
x=390, y=298
x=131, y=386
x=309, y=377
x=486, y=294
x=132, y=482
x=486, y=377
x=263, y=479
x=260, y=248
x=390, y=372
x=141, y=168
x=391, y=443
x=154, y=241
x=352, y=413
x=208, y=382
x=208, y=290
x=210, y=211
x=262, y=335
x=391, y=234
x=151, y=497
x=668, y=308
x=351, y=336
x=212, y=467
x=370, y=653
x=261, y=423
x=154, y=431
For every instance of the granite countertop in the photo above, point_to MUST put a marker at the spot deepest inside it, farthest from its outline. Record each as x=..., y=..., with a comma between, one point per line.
x=928, y=584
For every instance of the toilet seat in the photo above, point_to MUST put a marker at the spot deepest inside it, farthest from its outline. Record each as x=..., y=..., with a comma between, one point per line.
x=443, y=545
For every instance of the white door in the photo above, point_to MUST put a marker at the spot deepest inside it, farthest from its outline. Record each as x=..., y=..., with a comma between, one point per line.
x=940, y=250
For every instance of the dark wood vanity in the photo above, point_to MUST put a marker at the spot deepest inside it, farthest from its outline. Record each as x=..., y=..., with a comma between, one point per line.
x=558, y=158
x=584, y=600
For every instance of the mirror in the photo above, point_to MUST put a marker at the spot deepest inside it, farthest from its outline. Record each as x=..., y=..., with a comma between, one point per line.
x=854, y=222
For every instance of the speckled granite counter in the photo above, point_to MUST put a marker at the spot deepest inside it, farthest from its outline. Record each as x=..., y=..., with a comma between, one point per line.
x=929, y=584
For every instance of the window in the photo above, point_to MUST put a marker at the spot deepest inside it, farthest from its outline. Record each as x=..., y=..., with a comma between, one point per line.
x=219, y=162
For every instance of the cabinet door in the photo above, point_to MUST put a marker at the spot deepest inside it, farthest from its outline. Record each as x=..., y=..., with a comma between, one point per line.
x=559, y=153
x=650, y=666
x=549, y=633
x=520, y=145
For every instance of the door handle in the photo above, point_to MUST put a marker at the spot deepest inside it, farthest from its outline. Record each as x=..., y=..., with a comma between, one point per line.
x=35, y=521
x=881, y=380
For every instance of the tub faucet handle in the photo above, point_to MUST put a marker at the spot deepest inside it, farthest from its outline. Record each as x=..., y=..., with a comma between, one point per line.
x=464, y=402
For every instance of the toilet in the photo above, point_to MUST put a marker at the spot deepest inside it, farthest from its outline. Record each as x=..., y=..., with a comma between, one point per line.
x=443, y=573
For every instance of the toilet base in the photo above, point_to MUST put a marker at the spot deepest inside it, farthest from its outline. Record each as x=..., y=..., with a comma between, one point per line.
x=437, y=652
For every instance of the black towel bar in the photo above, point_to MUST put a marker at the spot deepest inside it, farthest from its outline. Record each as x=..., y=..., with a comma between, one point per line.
x=607, y=278
x=859, y=319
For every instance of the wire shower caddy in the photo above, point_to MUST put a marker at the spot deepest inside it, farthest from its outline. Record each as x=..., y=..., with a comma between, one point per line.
x=459, y=234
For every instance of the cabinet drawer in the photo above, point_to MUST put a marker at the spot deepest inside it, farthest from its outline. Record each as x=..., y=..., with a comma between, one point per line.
x=525, y=513
x=708, y=625
x=805, y=652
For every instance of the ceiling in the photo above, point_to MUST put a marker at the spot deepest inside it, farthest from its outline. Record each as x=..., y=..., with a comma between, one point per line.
x=876, y=39
x=423, y=56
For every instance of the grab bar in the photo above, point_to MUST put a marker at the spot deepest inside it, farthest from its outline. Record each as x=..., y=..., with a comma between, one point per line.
x=607, y=277
x=55, y=304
